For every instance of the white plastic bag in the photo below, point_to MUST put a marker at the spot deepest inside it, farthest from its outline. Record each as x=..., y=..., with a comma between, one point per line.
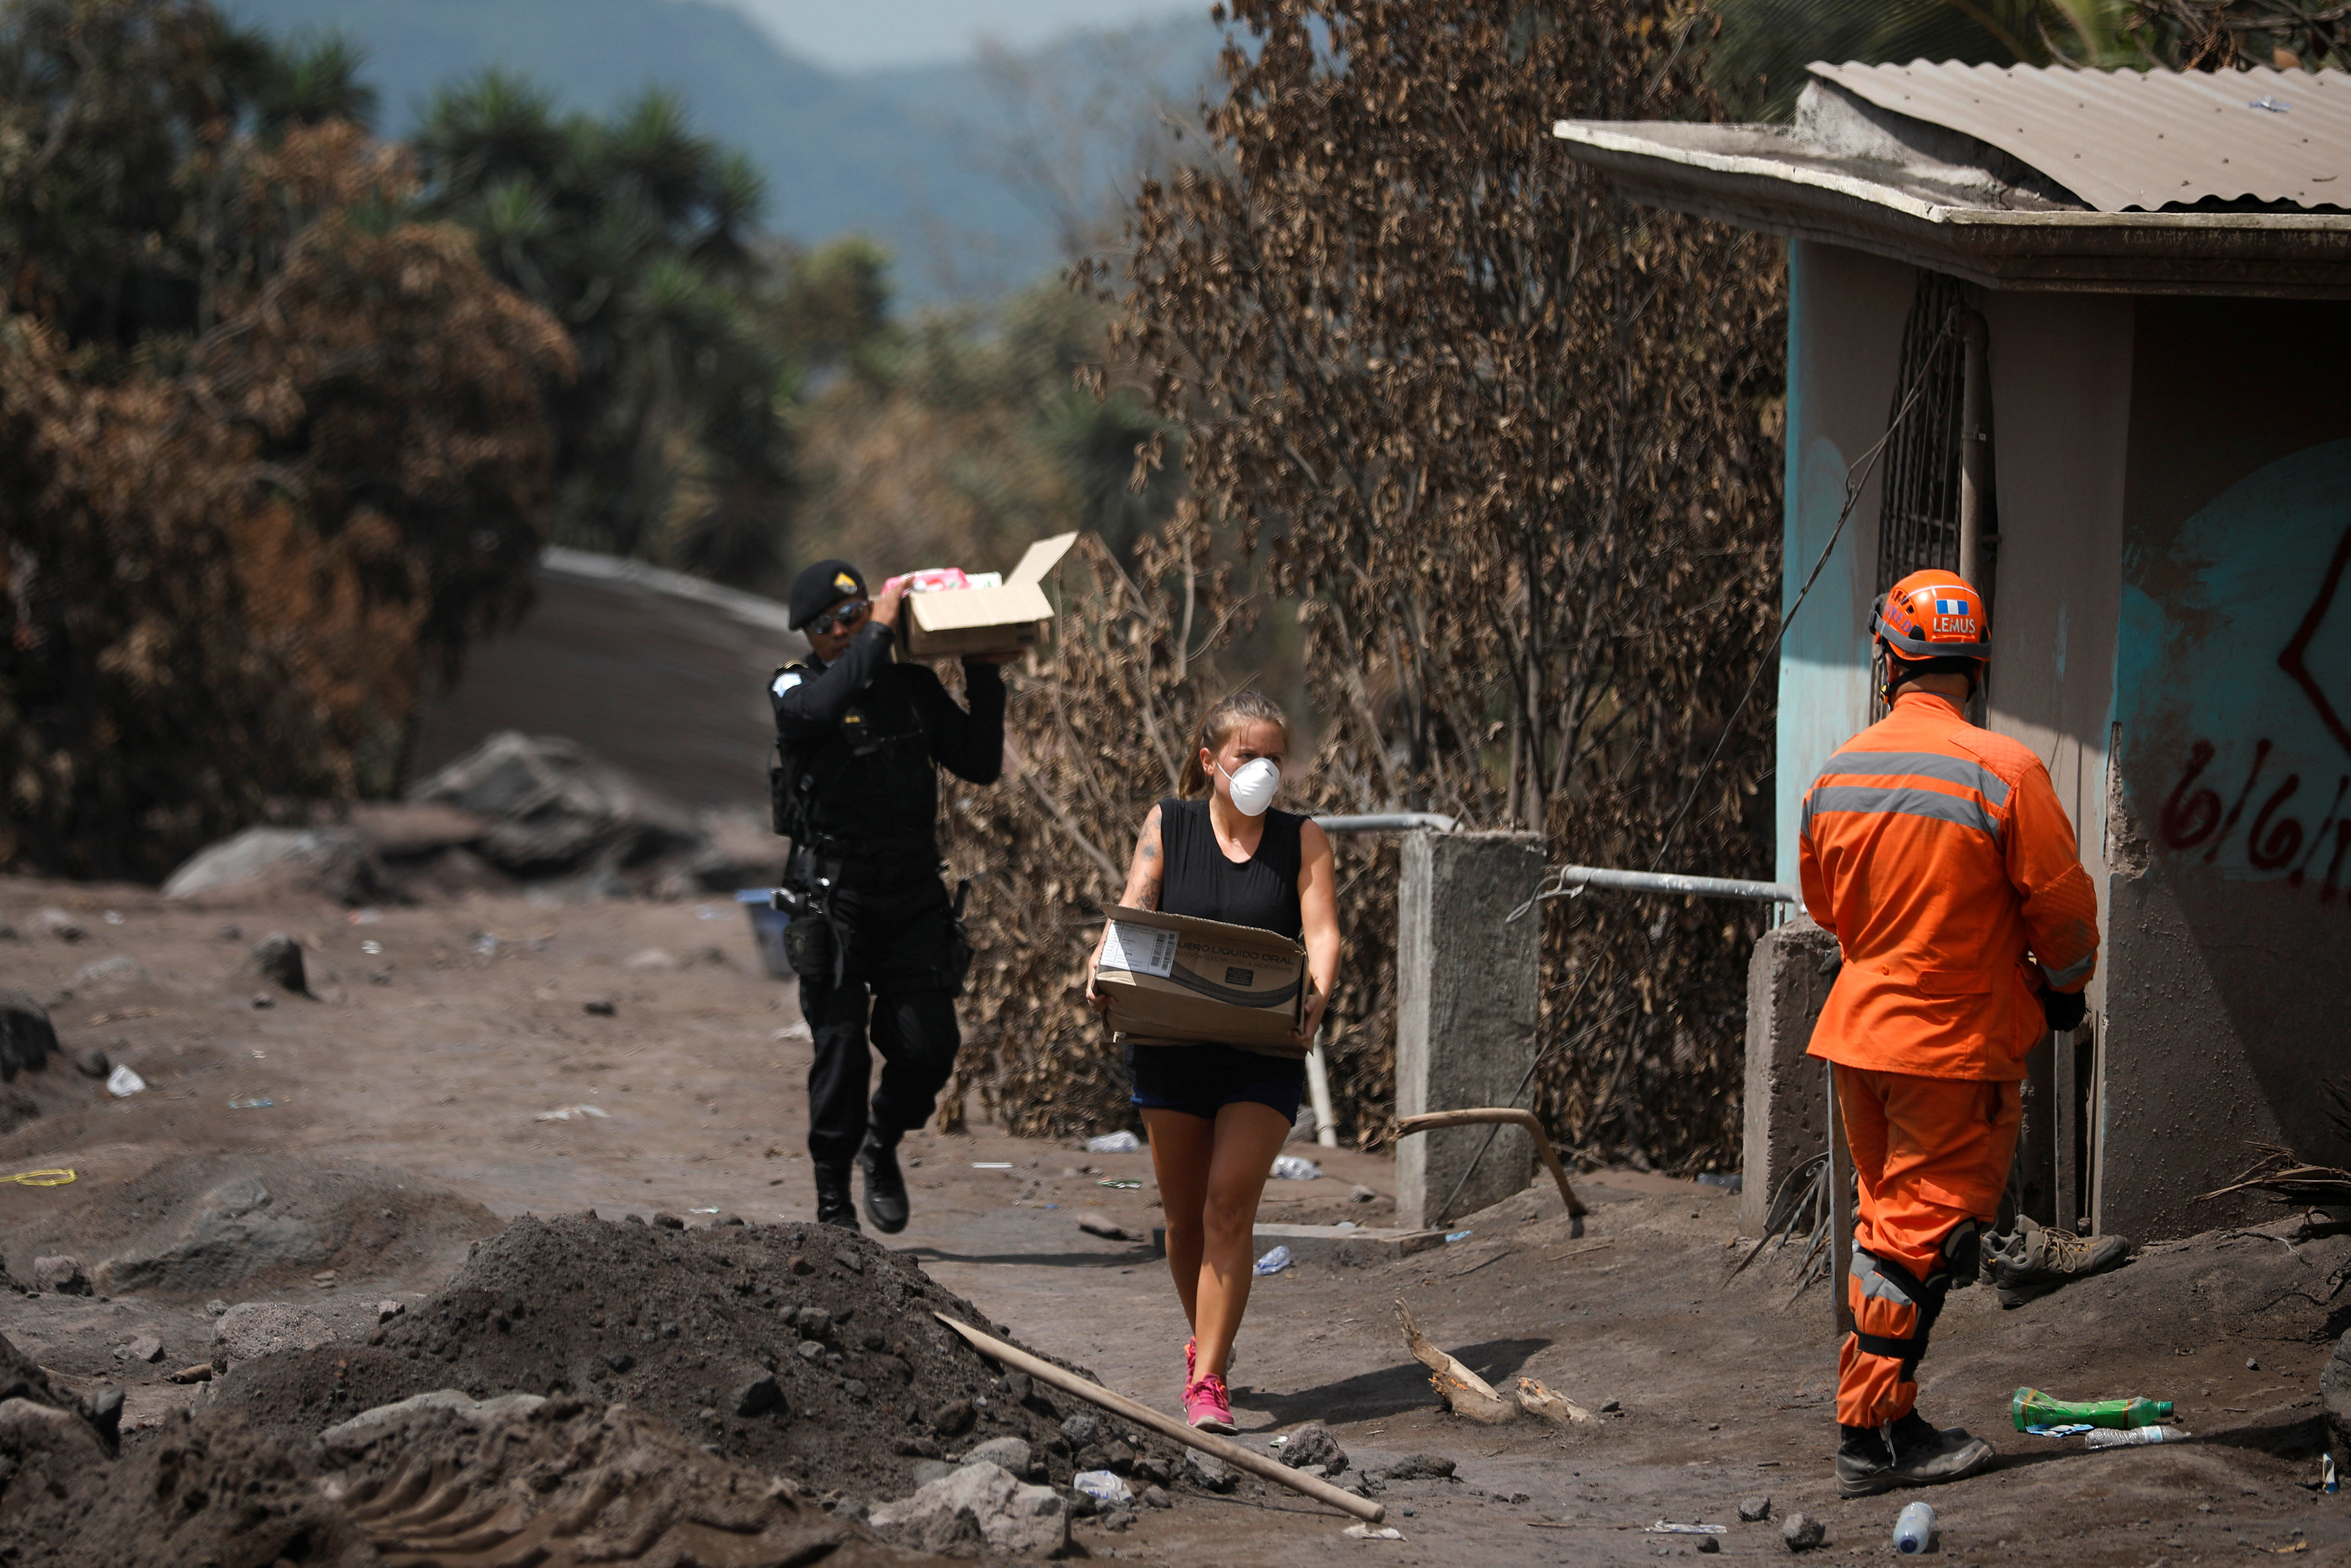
x=122, y=1083
x=1295, y=1167
x=1113, y=1143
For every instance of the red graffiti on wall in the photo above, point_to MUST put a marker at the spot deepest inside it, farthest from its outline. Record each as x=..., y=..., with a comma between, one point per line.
x=2292, y=659
x=2194, y=817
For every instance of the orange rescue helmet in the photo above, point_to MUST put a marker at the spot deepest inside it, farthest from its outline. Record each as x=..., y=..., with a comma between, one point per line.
x=1933, y=615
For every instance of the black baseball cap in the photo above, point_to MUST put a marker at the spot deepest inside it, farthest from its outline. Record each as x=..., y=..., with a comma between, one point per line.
x=820, y=587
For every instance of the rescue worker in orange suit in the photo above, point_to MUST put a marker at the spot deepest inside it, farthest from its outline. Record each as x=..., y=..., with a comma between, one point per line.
x=1938, y=856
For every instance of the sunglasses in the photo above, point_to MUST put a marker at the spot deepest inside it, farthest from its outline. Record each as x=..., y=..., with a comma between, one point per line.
x=847, y=612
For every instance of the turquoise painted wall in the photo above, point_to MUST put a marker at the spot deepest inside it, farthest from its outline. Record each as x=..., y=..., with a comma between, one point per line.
x=2234, y=687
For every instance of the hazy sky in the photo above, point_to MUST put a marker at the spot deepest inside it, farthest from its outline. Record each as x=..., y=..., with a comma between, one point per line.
x=852, y=34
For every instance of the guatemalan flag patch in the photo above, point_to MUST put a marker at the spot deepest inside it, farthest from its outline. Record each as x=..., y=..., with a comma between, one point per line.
x=1950, y=606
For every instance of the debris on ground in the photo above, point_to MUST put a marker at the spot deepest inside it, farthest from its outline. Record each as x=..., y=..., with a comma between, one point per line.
x=760, y=1341
x=1273, y=1263
x=277, y=958
x=1755, y=1510
x=1094, y=1223
x=560, y=1480
x=122, y=1083
x=1113, y=1143
x=1465, y=1393
x=1373, y=1532
x=1557, y=1409
x=1295, y=1167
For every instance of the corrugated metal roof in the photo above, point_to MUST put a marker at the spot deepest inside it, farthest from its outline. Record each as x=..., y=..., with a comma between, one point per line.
x=2138, y=140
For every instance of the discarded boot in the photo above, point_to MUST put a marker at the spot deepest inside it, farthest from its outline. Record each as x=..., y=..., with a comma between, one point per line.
x=2035, y=1260
x=886, y=1184
x=833, y=1206
x=1906, y=1452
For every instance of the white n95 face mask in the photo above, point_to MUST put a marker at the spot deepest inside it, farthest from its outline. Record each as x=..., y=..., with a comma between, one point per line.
x=1253, y=786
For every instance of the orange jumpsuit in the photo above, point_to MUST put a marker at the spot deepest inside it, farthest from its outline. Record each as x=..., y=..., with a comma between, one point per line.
x=1938, y=856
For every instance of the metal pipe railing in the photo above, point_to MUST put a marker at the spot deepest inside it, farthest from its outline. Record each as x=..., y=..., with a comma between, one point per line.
x=1388, y=822
x=1575, y=876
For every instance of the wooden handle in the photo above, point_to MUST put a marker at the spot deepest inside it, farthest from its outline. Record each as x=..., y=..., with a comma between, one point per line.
x=1429, y=1120
x=1232, y=1453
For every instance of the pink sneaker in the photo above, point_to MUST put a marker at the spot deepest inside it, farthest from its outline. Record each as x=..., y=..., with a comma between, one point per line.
x=1208, y=1406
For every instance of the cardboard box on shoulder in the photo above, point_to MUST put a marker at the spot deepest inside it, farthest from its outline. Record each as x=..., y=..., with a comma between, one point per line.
x=1007, y=618
x=1179, y=978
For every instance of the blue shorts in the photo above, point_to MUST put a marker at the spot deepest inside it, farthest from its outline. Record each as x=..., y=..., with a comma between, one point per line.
x=1201, y=1080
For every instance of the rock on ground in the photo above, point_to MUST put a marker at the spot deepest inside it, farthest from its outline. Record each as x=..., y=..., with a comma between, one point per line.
x=1312, y=1444
x=277, y=958
x=251, y=1330
x=1754, y=1510
x=60, y=1275
x=1802, y=1532
x=1011, y=1518
x=1013, y=1453
x=27, y=1039
x=555, y=808
x=329, y=860
x=369, y=1428
x=1208, y=1472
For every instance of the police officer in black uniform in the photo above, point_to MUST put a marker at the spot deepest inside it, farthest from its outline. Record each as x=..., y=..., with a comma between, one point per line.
x=873, y=933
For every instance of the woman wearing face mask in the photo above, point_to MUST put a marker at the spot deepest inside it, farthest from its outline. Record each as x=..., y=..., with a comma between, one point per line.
x=1218, y=1114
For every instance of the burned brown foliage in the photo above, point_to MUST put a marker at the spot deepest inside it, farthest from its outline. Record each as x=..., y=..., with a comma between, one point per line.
x=1511, y=445
x=230, y=555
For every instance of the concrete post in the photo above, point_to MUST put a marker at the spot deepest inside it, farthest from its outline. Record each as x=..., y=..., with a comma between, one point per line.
x=1788, y=981
x=1467, y=988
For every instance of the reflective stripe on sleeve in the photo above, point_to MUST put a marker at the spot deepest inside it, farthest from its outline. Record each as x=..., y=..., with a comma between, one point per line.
x=2071, y=974
x=1873, y=800
x=1936, y=765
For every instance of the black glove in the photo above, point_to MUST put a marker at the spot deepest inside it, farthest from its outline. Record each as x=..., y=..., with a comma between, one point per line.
x=2064, y=1009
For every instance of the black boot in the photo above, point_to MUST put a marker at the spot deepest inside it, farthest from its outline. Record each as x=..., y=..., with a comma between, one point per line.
x=886, y=1184
x=1908, y=1453
x=833, y=1206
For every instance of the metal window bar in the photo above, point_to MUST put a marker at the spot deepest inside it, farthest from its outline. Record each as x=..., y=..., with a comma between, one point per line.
x=1918, y=519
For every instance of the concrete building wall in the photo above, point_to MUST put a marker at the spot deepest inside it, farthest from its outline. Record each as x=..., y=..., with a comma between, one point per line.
x=2060, y=368
x=2231, y=923
x=1845, y=312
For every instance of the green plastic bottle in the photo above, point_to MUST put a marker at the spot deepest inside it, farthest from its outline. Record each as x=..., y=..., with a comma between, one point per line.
x=2031, y=1407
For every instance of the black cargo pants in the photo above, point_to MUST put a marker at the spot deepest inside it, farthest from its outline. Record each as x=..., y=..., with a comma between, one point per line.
x=897, y=982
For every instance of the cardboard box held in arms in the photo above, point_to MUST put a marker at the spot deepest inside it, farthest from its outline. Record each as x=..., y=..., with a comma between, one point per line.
x=1174, y=977
x=1002, y=619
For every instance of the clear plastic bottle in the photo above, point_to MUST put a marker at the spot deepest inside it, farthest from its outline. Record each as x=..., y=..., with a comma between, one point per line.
x=2130, y=1436
x=1914, y=1530
x=1273, y=1263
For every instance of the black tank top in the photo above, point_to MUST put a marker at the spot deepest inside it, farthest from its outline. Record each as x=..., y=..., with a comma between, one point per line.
x=1261, y=891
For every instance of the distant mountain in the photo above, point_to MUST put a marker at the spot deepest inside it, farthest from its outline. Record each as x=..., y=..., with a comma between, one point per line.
x=968, y=171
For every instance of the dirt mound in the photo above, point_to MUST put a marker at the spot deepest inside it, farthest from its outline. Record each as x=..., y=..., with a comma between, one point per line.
x=804, y=1350
x=561, y=1484
x=204, y=1225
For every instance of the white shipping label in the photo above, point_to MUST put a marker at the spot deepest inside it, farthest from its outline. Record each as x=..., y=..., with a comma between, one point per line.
x=1145, y=950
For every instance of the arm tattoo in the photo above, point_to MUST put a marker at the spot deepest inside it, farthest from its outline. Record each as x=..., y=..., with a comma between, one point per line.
x=1146, y=894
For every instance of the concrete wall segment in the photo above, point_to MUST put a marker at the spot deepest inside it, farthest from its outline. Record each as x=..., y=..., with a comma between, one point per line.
x=1468, y=984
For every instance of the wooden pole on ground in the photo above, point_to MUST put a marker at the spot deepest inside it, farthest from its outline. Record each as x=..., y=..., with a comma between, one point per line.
x=1232, y=1453
x=1431, y=1120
